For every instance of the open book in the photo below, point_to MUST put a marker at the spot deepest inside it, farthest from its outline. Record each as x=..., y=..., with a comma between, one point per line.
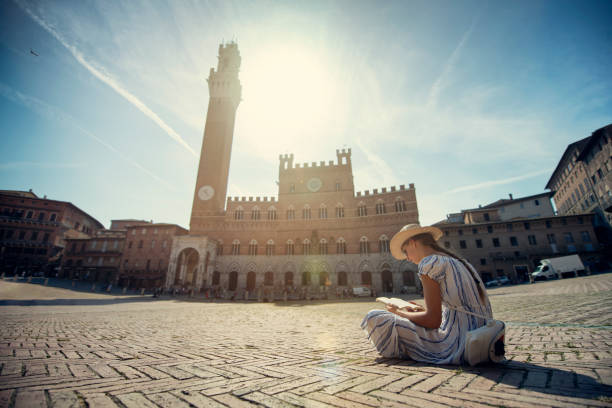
x=401, y=304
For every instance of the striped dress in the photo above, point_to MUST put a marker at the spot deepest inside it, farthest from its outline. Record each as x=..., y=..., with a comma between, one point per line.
x=397, y=337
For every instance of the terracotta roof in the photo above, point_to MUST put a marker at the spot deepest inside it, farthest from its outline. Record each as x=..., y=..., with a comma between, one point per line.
x=505, y=201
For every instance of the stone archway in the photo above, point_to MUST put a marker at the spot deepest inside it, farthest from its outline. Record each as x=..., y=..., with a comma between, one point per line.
x=288, y=278
x=251, y=283
x=387, y=281
x=366, y=278
x=342, y=279
x=188, y=260
x=216, y=278
x=269, y=278
x=233, y=281
x=305, y=278
x=323, y=278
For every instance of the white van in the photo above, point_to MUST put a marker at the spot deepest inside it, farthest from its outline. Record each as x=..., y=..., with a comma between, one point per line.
x=544, y=271
x=362, y=291
x=561, y=267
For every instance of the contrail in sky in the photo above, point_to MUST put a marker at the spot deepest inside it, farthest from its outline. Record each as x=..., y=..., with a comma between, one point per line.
x=51, y=112
x=439, y=84
x=108, y=80
x=492, y=183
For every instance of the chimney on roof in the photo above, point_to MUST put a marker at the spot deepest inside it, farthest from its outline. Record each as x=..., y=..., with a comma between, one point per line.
x=479, y=205
x=30, y=190
x=511, y=196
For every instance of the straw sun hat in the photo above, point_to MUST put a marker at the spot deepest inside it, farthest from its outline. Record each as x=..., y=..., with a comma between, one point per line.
x=407, y=232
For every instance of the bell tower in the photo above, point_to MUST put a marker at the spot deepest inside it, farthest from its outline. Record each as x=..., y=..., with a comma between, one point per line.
x=213, y=172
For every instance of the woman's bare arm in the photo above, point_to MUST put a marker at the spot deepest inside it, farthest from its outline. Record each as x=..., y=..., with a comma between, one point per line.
x=431, y=318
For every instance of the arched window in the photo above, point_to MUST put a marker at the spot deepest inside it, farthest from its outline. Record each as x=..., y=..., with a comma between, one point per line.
x=323, y=247
x=364, y=247
x=400, y=204
x=306, y=212
x=239, y=213
x=270, y=249
x=340, y=246
x=339, y=210
x=253, y=247
x=272, y=213
x=362, y=210
x=236, y=247
x=291, y=213
x=289, y=248
x=380, y=207
x=323, y=211
x=306, y=247
x=383, y=244
x=255, y=215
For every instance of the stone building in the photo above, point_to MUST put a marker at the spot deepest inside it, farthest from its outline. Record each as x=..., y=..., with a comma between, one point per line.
x=582, y=180
x=95, y=259
x=318, y=234
x=501, y=245
x=146, y=254
x=33, y=231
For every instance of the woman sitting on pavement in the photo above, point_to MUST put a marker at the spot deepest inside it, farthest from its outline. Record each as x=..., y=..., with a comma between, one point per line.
x=452, y=292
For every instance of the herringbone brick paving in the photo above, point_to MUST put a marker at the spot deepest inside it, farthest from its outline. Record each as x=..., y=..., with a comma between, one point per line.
x=181, y=353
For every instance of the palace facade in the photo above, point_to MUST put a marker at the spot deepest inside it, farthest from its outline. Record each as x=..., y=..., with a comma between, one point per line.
x=317, y=234
x=34, y=231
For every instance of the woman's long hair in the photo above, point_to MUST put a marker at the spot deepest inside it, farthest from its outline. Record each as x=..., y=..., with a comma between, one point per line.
x=427, y=239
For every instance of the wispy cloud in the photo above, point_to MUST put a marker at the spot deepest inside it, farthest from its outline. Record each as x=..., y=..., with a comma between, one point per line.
x=492, y=183
x=442, y=80
x=43, y=165
x=51, y=112
x=107, y=78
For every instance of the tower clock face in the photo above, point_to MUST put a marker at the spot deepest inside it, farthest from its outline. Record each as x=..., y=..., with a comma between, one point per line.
x=314, y=184
x=206, y=193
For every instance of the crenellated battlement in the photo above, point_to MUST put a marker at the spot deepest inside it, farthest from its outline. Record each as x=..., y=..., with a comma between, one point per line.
x=251, y=200
x=231, y=44
x=286, y=161
x=384, y=191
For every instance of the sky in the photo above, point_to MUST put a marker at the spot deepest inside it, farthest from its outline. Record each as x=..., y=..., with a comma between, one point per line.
x=470, y=101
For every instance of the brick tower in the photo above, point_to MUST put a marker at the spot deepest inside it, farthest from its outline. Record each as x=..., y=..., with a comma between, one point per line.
x=211, y=184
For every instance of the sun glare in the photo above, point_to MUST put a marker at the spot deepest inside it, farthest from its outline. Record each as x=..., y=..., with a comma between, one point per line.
x=285, y=90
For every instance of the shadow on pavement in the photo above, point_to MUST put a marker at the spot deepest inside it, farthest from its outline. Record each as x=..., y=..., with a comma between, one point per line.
x=527, y=376
x=75, y=302
x=74, y=285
